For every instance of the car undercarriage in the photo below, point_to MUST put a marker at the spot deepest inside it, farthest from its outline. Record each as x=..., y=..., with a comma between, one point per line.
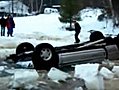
x=44, y=55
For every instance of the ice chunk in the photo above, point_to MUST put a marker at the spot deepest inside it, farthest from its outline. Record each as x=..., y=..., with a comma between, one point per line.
x=23, y=76
x=106, y=73
x=89, y=72
x=56, y=74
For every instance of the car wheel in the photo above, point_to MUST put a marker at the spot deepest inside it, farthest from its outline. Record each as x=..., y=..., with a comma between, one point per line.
x=44, y=57
x=109, y=40
x=116, y=40
x=23, y=47
x=96, y=35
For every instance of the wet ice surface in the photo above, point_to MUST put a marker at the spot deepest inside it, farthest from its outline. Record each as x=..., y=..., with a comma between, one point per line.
x=14, y=76
x=81, y=77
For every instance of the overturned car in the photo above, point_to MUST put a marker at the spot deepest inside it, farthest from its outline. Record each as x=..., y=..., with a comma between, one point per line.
x=44, y=55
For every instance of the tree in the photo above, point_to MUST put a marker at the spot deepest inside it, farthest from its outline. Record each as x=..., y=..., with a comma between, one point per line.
x=115, y=10
x=36, y=4
x=41, y=5
x=31, y=5
x=69, y=8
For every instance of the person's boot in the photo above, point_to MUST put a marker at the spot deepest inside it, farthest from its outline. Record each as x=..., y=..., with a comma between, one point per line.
x=7, y=35
x=3, y=34
x=77, y=41
x=11, y=35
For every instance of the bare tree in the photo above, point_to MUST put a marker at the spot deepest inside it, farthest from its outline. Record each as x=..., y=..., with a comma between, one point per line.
x=112, y=10
x=36, y=3
x=41, y=5
x=31, y=5
x=12, y=6
x=21, y=7
x=16, y=6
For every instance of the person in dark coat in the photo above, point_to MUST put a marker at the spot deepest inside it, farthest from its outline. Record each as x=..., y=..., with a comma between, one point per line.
x=10, y=25
x=77, y=31
x=3, y=25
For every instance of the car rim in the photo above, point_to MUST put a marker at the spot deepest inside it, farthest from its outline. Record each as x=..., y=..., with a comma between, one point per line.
x=46, y=54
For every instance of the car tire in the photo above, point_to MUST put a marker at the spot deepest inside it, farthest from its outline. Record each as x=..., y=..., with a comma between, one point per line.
x=116, y=40
x=96, y=35
x=109, y=40
x=23, y=47
x=44, y=57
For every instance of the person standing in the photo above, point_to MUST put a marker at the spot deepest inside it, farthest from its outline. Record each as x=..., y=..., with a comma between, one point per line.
x=10, y=25
x=77, y=31
x=3, y=25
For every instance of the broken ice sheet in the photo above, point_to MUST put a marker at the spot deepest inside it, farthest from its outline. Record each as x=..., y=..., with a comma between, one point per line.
x=58, y=75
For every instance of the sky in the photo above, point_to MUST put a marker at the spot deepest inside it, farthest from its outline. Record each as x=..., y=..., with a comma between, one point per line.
x=47, y=28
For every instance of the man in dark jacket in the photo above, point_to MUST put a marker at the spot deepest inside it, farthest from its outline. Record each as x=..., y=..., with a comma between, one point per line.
x=3, y=24
x=77, y=31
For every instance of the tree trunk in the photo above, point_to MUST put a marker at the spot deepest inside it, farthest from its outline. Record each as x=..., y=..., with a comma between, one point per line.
x=112, y=11
x=41, y=5
x=31, y=5
x=12, y=6
x=37, y=6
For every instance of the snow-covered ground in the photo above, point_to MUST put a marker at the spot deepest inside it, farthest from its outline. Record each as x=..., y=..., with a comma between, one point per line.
x=47, y=28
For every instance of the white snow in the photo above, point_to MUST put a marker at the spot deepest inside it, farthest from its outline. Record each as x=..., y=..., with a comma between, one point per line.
x=47, y=28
